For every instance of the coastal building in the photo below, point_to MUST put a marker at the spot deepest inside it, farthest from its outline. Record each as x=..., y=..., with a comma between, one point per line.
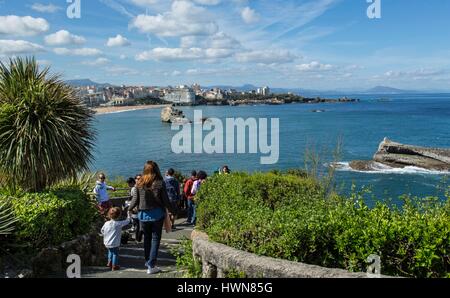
x=197, y=89
x=265, y=91
x=180, y=95
x=214, y=94
x=94, y=99
x=121, y=101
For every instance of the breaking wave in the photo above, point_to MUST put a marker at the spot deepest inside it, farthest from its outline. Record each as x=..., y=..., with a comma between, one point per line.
x=379, y=168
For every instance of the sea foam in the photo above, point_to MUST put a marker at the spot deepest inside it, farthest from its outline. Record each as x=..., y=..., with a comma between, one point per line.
x=379, y=168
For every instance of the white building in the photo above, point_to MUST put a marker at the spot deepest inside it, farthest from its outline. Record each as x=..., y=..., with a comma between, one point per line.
x=181, y=95
x=264, y=91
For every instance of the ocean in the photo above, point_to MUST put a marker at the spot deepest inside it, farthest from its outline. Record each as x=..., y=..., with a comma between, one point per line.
x=126, y=140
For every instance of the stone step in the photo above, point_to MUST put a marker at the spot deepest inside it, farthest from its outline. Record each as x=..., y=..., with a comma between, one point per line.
x=129, y=272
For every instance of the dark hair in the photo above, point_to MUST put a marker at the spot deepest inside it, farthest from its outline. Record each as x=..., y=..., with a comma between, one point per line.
x=171, y=172
x=114, y=213
x=131, y=181
x=202, y=175
x=194, y=174
x=137, y=175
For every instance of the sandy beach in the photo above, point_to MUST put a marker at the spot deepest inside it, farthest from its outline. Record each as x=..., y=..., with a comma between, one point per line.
x=111, y=110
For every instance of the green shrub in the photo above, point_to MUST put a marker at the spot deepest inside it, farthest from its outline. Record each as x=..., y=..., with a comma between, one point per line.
x=290, y=217
x=186, y=261
x=50, y=218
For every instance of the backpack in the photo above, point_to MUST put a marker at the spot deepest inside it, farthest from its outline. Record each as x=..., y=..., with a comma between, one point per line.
x=171, y=187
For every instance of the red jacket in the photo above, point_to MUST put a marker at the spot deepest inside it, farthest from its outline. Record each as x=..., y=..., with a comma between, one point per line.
x=188, y=188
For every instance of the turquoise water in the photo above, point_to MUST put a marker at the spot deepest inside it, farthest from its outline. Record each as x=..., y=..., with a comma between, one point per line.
x=127, y=140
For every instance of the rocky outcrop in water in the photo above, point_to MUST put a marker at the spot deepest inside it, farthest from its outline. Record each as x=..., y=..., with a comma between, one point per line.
x=172, y=115
x=398, y=155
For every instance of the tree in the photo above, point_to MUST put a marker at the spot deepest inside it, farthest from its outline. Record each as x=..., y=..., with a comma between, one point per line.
x=46, y=132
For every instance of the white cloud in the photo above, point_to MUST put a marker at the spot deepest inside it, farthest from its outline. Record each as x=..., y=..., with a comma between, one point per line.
x=50, y=8
x=122, y=57
x=415, y=74
x=208, y=2
x=118, y=41
x=266, y=56
x=63, y=37
x=144, y=3
x=314, y=66
x=249, y=15
x=17, y=47
x=176, y=73
x=121, y=71
x=184, y=19
x=97, y=62
x=77, y=52
x=184, y=54
x=23, y=26
x=220, y=40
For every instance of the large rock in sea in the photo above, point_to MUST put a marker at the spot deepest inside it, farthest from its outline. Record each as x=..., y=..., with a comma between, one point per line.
x=398, y=155
x=166, y=113
x=172, y=115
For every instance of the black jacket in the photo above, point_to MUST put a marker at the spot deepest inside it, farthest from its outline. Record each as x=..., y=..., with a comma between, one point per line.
x=151, y=198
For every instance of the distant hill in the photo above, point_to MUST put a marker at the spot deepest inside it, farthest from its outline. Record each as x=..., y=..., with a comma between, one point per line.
x=387, y=90
x=86, y=82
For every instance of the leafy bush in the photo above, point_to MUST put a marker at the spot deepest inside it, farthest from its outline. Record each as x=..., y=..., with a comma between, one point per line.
x=186, y=261
x=290, y=217
x=50, y=218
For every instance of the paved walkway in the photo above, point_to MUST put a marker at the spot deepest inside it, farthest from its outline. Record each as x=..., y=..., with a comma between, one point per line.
x=131, y=258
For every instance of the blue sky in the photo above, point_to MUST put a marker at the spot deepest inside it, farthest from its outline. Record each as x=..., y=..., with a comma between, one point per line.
x=313, y=44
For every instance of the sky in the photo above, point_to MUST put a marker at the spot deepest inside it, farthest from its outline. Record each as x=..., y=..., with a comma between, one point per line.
x=310, y=44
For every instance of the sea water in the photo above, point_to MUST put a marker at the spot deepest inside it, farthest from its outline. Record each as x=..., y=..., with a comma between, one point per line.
x=126, y=140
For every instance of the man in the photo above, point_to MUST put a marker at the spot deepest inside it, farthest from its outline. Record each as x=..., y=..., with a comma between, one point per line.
x=173, y=191
x=189, y=196
x=101, y=194
x=136, y=228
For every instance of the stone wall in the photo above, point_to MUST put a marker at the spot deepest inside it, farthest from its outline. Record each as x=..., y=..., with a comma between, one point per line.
x=218, y=259
x=52, y=261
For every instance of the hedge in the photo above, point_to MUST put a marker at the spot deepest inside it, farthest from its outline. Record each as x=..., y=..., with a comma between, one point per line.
x=50, y=218
x=290, y=217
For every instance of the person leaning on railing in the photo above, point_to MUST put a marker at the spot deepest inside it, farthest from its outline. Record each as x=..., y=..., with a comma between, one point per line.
x=101, y=194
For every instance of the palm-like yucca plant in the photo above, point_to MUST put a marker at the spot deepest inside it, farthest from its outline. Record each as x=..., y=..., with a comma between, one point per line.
x=46, y=132
x=7, y=219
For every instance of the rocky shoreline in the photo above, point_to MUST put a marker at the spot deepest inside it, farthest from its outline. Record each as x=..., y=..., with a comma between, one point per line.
x=278, y=101
x=397, y=155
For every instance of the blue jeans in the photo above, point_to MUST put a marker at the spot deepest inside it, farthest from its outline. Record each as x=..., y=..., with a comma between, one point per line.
x=191, y=212
x=113, y=256
x=152, y=239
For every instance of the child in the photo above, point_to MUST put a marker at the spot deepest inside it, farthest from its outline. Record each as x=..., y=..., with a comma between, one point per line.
x=101, y=194
x=112, y=234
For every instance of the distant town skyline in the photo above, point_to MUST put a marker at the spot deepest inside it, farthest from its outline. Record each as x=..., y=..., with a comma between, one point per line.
x=321, y=44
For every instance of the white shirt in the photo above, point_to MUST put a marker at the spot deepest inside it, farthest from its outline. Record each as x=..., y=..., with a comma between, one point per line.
x=196, y=187
x=101, y=191
x=112, y=232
